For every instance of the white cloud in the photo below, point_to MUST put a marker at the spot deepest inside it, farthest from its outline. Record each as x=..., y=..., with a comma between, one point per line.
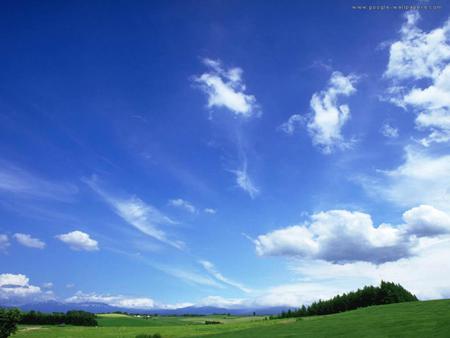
x=319, y=279
x=341, y=236
x=426, y=221
x=78, y=240
x=4, y=242
x=208, y=266
x=417, y=273
x=244, y=181
x=123, y=301
x=291, y=124
x=226, y=89
x=328, y=116
x=28, y=241
x=15, y=180
x=210, y=211
x=113, y=300
x=47, y=285
x=222, y=302
x=183, y=204
x=142, y=216
x=422, y=178
x=388, y=131
x=336, y=236
x=419, y=55
x=17, y=288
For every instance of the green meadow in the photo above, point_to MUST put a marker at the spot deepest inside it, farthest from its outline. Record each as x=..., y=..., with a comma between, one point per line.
x=414, y=319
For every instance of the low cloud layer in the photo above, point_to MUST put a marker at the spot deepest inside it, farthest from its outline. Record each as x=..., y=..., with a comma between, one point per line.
x=16, y=289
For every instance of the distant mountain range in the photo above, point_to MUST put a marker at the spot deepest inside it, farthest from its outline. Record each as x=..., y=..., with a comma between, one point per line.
x=95, y=307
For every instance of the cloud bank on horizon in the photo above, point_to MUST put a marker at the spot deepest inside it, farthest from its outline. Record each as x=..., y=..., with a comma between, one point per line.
x=337, y=171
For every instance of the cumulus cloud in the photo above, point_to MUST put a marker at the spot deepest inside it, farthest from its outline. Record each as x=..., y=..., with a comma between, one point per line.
x=316, y=279
x=113, y=300
x=4, y=242
x=183, y=204
x=388, y=131
x=341, y=236
x=28, y=241
x=426, y=221
x=328, y=116
x=16, y=289
x=211, y=269
x=417, y=273
x=291, y=125
x=78, y=240
x=420, y=55
x=226, y=89
x=142, y=216
x=210, y=211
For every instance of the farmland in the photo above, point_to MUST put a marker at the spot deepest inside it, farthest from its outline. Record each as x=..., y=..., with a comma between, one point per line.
x=414, y=319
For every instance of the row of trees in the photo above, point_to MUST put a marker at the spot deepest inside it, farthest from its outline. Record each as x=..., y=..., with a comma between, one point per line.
x=81, y=318
x=386, y=293
x=9, y=318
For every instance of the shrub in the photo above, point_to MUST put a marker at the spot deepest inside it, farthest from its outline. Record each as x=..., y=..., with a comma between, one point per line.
x=145, y=335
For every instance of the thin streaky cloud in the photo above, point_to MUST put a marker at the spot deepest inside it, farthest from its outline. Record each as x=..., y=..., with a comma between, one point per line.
x=142, y=216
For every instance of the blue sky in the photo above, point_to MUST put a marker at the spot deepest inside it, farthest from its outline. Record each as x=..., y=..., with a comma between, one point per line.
x=159, y=154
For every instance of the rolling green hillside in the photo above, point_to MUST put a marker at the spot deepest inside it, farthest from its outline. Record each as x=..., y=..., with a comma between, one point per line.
x=414, y=319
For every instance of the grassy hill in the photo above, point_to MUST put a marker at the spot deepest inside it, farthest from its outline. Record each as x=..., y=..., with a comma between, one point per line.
x=415, y=319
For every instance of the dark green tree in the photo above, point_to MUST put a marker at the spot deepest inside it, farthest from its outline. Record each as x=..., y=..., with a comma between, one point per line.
x=9, y=318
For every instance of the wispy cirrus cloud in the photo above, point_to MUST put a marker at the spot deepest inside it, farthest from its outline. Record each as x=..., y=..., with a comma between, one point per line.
x=422, y=178
x=142, y=216
x=20, y=182
x=211, y=269
x=245, y=182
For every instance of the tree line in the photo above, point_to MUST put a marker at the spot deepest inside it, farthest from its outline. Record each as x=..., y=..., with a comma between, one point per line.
x=386, y=293
x=81, y=318
x=9, y=318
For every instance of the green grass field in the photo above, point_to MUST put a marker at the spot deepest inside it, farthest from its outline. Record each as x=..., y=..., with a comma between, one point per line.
x=416, y=319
